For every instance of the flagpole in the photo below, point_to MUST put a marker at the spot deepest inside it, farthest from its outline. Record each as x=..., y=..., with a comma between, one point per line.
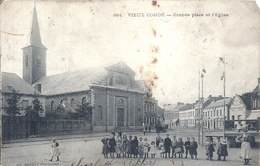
x=199, y=113
x=224, y=75
x=202, y=108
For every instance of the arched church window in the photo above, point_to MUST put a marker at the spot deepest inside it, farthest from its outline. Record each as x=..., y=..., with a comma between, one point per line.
x=26, y=60
x=84, y=100
x=38, y=60
x=52, y=105
x=99, y=113
x=73, y=103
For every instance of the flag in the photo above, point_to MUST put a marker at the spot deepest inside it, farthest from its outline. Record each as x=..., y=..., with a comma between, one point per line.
x=222, y=77
x=221, y=59
x=203, y=70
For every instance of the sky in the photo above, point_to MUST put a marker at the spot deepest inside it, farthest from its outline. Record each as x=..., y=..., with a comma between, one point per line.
x=167, y=52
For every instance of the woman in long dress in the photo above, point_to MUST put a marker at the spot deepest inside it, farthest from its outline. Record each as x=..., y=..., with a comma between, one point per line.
x=55, y=150
x=246, y=151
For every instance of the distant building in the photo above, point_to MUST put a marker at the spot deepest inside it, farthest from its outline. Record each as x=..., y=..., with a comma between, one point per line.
x=213, y=113
x=187, y=115
x=172, y=114
x=240, y=108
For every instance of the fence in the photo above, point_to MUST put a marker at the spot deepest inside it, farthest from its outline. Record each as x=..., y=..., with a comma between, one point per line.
x=20, y=127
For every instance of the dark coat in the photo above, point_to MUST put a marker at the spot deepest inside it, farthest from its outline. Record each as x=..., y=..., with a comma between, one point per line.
x=167, y=144
x=187, y=145
x=223, y=151
x=134, y=147
x=112, y=144
x=193, y=148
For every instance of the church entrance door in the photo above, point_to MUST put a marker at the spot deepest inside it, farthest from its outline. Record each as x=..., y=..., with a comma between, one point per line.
x=120, y=117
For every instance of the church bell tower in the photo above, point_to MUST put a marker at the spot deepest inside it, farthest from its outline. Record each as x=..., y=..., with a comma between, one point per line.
x=34, y=54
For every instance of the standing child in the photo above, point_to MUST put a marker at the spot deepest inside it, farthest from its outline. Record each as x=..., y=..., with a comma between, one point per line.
x=135, y=147
x=152, y=149
x=129, y=146
x=209, y=148
x=162, y=150
x=187, y=146
x=193, y=148
x=174, y=145
x=118, y=146
x=224, y=151
x=146, y=148
x=180, y=146
x=55, y=150
x=158, y=139
x=140, y=147
x=124, y=145
x=112, y=144
x=218, y=147
x=105, y=148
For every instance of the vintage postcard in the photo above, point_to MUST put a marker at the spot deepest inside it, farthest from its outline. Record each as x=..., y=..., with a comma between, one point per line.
x=130, y=83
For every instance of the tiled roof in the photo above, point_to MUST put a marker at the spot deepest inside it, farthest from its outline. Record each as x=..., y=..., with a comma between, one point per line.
x=170, y=107
x=219, y=103
x=121, y=67
x=254, y=115
x=71, y=81
x=256, y=90
x=246, y=100
x=12, y=80
x=187, y=107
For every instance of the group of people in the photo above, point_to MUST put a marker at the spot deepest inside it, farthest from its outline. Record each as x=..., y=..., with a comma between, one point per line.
x=174, y=147
x=221, y=148
x=128, y=146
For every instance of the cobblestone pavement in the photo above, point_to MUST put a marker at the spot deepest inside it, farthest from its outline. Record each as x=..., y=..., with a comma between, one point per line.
x=88, y=149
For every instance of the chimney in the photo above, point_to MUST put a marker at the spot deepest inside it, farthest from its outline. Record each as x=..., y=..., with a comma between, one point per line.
x=258, y=80
x=210, y=96
x=220, y=96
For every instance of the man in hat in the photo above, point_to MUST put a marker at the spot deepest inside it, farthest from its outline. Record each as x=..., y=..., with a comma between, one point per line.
x=167, y=146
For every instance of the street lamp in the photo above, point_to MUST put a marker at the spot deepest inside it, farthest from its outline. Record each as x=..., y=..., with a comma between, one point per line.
x=224, y=86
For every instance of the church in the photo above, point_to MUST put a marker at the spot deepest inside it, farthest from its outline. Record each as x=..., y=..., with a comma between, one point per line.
x=116, y=98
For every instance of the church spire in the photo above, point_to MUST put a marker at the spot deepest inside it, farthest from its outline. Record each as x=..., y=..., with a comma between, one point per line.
x=35, y=36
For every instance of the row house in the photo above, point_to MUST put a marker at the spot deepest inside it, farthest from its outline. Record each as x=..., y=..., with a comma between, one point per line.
x=187, y=115
x=171, y=114
x=214, y=112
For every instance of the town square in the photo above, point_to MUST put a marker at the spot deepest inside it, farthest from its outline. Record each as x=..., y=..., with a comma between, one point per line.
x=131, y=84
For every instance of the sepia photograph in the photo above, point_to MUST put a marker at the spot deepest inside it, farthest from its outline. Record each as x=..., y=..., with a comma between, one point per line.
x=130, y=83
